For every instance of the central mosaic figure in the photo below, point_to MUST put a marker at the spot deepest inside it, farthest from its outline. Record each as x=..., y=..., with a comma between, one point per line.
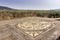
x=35, y=27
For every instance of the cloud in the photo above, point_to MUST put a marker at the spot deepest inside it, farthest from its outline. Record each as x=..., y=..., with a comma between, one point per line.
x=31, y=4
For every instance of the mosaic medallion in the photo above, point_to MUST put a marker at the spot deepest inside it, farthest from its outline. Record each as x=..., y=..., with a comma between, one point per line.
x=35, y=27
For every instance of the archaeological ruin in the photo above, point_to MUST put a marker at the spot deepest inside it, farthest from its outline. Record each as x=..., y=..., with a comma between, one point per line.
x=30, y=28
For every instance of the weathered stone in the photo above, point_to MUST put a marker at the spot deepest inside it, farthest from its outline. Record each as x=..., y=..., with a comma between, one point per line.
x=31, y=28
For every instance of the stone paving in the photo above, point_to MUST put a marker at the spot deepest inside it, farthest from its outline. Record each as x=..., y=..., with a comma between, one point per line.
x=30, y=28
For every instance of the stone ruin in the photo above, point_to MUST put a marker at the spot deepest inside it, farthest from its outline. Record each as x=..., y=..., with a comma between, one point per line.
x=31, y=28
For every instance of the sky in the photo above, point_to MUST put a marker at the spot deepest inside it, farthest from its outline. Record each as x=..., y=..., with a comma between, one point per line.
x=31, y=4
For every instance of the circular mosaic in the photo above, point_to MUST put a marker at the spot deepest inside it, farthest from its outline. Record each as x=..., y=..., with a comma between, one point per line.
x=35, y=27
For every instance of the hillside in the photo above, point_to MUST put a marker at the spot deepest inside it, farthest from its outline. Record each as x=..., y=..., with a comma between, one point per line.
x=7, y=13
x=5, y=8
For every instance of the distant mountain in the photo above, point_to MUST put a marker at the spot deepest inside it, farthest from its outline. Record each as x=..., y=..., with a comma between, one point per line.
x=5, y=8
x=55, y=10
